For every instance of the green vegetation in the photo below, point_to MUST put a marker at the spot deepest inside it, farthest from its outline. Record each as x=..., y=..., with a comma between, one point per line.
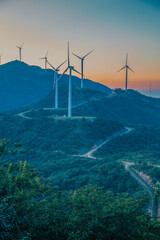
x=52, y=139
x=31, y=210
x=79, y=96
x=142, y=138
x=68, y=136
x=73, y=172
x=152, y=171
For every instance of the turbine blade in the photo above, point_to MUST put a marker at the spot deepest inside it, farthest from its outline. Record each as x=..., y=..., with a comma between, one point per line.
x=51, y=65
x=130, y=69
x=76, y=56
x=18, y=47
x=46, y=54
x=87, y=54
x=121, y=69
x=76, y=71
x=126, y=59
x=42, y=58
x=22, y=45
x=62, y=74
x=61, y=65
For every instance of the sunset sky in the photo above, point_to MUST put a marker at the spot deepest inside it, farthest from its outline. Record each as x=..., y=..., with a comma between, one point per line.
x=109, y=27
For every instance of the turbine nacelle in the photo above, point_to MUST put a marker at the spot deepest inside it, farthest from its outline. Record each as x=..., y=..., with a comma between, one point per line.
x=126, y=67
x=56, y=69
x=82, y=58
x=20, y=46
x=82, y=62
x=45, y=58
x=71, y=67
x=20, y=51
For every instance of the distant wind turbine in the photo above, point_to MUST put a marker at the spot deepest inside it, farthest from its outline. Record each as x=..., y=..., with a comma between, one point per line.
x=0, y=58
x=45, y=60
x=82, y=63
x=55, y=81
x=20, y=52
x=126, y=67
x=70, y=68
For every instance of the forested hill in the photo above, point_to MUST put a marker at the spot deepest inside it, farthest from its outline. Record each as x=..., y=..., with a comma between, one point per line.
x=127, y=107
x=21, y=85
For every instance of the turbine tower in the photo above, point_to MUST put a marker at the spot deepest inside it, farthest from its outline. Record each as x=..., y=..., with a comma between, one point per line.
x=126, y=67
x=70, y=68
x=20, y=52
x=0, y=58
x=45, y=60
x=55, y=81
x=82, y=65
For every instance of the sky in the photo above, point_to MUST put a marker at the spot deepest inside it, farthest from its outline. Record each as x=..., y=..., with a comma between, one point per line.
x=111, y=28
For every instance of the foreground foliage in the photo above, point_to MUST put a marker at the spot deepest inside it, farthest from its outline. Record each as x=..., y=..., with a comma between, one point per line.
x=31, y=210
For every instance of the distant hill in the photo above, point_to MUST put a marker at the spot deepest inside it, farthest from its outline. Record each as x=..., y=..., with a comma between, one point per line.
x=127, y=107
x=22, y=85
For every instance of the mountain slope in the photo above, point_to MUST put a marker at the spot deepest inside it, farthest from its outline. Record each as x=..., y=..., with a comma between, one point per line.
x=21, y=85
x=56, y=145
x=127, y=107
x=71, y=137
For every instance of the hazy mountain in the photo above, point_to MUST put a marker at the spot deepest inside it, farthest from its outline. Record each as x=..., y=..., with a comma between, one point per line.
x=21, y=85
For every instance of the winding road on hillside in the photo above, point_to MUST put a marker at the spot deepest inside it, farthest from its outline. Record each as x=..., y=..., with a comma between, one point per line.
x=146, y=187
x=128, y=167
x=90, y=154
x=22, y=114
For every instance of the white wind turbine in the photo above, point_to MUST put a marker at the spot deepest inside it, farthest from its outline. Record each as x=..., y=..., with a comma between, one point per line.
x=55, y=81
x=126, y=67
x=70, y=68
x=82, y=65
x=45, y=60
x=20, y=52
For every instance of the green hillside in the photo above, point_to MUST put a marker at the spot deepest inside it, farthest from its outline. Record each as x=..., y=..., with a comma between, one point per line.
x=47, y=134
x=127, y=107
x=32, y=210
x=141, y=138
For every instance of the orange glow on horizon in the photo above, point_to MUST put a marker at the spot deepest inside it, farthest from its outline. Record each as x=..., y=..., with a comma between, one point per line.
x=119, y=82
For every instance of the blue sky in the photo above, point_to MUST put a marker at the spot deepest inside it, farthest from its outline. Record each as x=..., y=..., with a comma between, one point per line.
x=110, y=27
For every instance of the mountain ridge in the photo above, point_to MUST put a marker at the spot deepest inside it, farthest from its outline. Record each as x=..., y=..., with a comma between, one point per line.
x=22, y=85
x=129, y=107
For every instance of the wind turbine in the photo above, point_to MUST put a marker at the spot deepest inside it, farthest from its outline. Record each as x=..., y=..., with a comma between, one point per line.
x=70, y=68
x=45, y=60
x=82, y=63
x=20, y=52
x=126, y=67
x=0, y=58
x=55, y=81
